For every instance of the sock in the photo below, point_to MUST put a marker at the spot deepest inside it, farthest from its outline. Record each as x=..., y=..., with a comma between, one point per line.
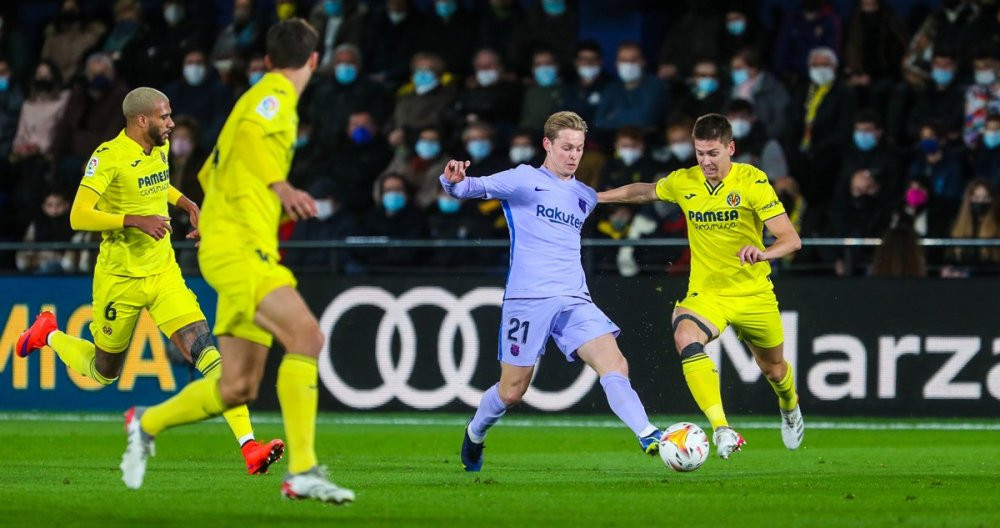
x=210, y=365
x=785, y=389
x=491, y=408
x=625, y=403
x=199, y=400
x=703, y=380
x=78, y=354
x=298, y=398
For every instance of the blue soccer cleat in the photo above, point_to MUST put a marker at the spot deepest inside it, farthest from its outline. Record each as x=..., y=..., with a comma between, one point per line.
x=472, y=453
x=650, y=444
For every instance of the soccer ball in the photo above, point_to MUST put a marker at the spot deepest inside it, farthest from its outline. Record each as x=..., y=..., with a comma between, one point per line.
x=684, y=447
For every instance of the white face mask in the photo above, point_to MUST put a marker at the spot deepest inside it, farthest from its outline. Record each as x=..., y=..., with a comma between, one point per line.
x=682, y=151
x=324, y=209
x=588, y=73
x=629, y=71
x=985, y=77
x=822, y=75
x=521, y=153
x=629, y=155
x=741, y=127
x=487, y=77
x=194, y=74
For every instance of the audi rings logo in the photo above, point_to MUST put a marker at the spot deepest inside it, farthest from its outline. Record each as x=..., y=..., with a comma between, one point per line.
x=396, y=375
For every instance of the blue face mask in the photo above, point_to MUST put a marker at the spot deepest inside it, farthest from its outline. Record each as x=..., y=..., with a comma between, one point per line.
x=942, y=76
x=361, y=135
x=706, y=85
x=554, y=7
x=300, y=142
x=333, y=7
x=424, y=80
x=4, y=83
x=255, y=76
x=740, y=76
x=545, y=75
x=345, y=72
x=991, y=139
x=479, y=148
x=445, y=9
x=393, y=201
x=448, y=205
x=865, y=140
x=929, y=146
x=736, y=27
x=427, y=149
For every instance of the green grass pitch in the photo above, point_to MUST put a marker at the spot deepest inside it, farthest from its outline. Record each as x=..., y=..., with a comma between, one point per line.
x=539, y=471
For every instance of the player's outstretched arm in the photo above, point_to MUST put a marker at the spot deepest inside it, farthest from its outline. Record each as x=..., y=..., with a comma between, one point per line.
x=84, y=216
x=631, y=193
x=454, y=171
x=787, y=242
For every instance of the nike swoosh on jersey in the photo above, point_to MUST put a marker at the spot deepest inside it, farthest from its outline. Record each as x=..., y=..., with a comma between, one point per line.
x=540, y=189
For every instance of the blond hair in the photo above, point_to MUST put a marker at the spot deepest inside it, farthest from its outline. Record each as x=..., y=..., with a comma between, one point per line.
x=142, y=100
x=563, y=121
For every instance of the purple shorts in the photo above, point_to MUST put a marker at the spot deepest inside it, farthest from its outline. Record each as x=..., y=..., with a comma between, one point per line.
x=526, y=325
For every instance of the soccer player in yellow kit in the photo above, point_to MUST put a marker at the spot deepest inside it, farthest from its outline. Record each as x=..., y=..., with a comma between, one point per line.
x=246, y=190
x=124, y=194
x=727, y=204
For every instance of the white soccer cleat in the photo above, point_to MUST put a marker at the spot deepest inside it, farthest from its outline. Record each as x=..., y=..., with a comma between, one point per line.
x=138, y=449
x=314, y=484
x=727, y=441
x=792, y=427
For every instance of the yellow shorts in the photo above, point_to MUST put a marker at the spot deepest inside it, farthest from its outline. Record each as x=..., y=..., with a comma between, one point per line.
x=242, y=278
x=755, y=318
x=119, y=300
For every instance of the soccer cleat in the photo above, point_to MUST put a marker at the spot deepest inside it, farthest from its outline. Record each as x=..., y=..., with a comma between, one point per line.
x=260, y=456
x=472, y=453
x=650, y=444
x=138, y=449
x=792, y=427
x=37, y=335
x=314, y=484
x=727, y=441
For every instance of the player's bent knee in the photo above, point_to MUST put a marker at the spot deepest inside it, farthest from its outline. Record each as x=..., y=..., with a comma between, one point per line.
x=308, y=340
x=237, y=392
x=511, y=395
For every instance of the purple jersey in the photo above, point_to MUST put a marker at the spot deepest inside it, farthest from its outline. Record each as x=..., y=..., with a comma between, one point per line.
x=544, y=215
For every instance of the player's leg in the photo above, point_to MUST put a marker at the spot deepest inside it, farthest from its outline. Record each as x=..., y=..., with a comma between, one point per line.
x=603, y=355
x=284, y=313
x=506, y=393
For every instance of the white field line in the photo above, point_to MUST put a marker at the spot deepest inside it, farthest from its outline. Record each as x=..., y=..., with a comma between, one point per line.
x=876, y=425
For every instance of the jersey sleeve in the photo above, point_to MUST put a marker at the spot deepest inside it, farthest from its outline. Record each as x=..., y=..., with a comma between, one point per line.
x=259, y=150
x=100, y=171
x=764, y=200
x=665, y=188
x=502, y=185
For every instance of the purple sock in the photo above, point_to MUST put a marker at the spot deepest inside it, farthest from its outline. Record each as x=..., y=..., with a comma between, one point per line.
x=489, y=412
x=625, y=403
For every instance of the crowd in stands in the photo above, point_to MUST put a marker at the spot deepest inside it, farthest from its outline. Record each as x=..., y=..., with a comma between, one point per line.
x=866, y=123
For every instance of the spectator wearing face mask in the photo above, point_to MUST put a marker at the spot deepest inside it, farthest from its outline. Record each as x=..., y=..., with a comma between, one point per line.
x=940, y=166
x=635, y=99
x=199, y=93
x=479, y=142
x=873, y=52
x=238, y=40
x=550, y=24
x=742, y=34
x=449, y=218
x=753, y=145
x=332, y=96
x=523, y=150
x=490, y=96
x=422, y=103
x=769, y=97
x=333, y=221
x=861, y=210
x=498, y=25
x=158, y=56
x=93, y=114
x=50, y=224
x=871, y=149
x=69, y=37
x=704, y=94
x=810, y=25
x=678, y=152
x=978, y=217
x=583, y=95
x=631, y=163
x=354, y=165
x=986, y=158
x=952, y=26
x=694, y=34
x=421, y=164
x=543, y=96
x=396, y=217
x=941, y=100
x=393, y=28
x=917, y=209
x=337, y=22
x=982, y=97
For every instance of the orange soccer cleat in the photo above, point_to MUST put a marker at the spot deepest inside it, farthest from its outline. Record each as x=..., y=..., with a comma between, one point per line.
x=260, y=456
x=37, y=335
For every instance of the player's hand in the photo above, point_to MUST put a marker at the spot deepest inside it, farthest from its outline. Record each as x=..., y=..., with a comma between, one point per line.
x=298, y=204
x=191, y=209
x=750, y=255
x=155, y=226
x=454, y=171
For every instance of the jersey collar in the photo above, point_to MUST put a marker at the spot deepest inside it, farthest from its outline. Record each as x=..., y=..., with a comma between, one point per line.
x=552, y=175
x=134, y=144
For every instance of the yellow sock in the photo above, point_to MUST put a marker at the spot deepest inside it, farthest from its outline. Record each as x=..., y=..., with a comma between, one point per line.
x=199, y=400
x=238, y=418
x=298, y=397
x=703, y=380
x=78, y=354
x=785, y=389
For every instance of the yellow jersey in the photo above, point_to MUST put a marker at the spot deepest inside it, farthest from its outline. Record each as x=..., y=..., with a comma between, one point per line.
x=130, y=182
x=254, y=150
x=720, y=221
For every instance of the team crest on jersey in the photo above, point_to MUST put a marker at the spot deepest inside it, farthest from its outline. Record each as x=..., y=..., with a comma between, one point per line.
x=106, y=330
x=163, y=157
x=583, y=205
x=733, y=199
x=91, y=167
x=268, y=107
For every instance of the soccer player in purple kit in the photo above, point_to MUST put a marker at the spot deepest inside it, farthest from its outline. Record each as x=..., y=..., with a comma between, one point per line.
x=546, y=293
